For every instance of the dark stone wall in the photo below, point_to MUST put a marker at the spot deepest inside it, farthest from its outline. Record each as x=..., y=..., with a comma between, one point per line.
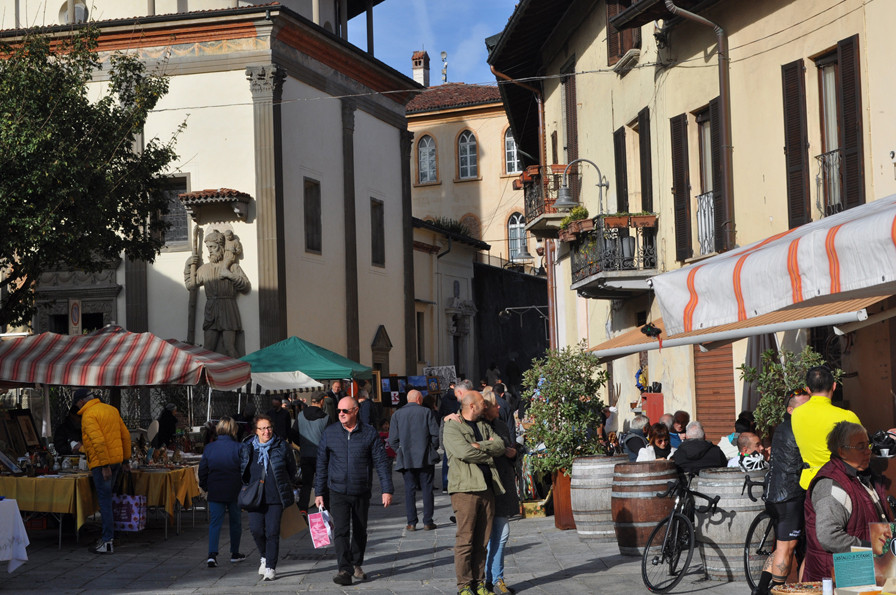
x=497, y=337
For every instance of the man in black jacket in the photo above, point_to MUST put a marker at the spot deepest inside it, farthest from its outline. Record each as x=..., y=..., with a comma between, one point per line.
x=310, y=425
x=345, y=455
x=696, y=453
x=414, y=436
x=784, y=498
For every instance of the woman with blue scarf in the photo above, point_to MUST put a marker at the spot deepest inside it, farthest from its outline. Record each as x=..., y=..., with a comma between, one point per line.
x=265, y=456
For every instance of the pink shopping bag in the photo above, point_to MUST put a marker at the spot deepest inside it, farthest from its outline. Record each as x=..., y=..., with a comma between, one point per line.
x=321, y=528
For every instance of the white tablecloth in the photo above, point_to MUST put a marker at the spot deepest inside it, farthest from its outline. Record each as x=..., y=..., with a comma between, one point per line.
x=13, y=537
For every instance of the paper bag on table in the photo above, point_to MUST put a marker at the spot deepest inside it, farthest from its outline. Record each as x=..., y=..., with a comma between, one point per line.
x=291, y=522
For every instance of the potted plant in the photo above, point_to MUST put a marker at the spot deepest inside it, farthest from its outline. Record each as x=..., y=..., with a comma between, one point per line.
x=564, y=411
x=616, y=220
x=643, y=219
x=780, y=373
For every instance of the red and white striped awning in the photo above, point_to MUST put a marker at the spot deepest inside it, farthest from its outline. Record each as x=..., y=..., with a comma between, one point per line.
x=114, y=357
x=845, y=256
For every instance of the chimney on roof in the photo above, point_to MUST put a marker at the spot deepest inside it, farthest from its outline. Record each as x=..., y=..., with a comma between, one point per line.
x=420, y=61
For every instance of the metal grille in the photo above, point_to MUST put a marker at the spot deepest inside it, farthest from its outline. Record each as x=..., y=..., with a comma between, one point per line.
x=706, y=230
x=828, y=180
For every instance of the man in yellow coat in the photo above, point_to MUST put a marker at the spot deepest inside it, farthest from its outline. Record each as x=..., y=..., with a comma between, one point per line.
x=107, y=442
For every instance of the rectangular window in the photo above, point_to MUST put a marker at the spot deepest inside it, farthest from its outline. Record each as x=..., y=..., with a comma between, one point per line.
x=177, y=217
x=377, y=233
x=313, y=227
x=421, y=356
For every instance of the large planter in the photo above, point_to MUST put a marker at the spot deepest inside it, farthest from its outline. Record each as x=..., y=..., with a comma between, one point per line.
x=590, y=485
x=615, y=221
x=643, y=220
x=563, y=518
x=721, y=535
x=636, y=507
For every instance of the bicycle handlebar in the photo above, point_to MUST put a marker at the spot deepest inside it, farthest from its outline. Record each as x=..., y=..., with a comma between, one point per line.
x=710, y=507
x=670, y=487
x=749, y=484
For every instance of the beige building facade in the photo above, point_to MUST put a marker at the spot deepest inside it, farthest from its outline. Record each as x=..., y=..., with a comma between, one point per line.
x=791, y=124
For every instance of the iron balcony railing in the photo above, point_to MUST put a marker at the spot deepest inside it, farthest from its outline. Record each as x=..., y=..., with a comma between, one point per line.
x=606, y=249
x=828, y=180
x=706, y=226
x=540, y=188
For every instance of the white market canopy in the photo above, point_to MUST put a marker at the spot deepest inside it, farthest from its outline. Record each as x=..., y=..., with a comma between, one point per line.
x=845, y=256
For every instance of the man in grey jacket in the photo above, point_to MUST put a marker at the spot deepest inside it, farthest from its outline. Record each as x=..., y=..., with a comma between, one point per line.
x=414, y=436
x=310, y=424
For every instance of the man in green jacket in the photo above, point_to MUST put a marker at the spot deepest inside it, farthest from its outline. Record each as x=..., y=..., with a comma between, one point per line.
x=473, y=483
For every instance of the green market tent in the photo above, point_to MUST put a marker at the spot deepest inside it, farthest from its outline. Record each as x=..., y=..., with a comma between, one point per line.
x=279, y=362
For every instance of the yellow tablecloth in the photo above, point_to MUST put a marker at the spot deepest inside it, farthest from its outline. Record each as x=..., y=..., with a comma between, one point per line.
x=165, y=487
x=72, y=494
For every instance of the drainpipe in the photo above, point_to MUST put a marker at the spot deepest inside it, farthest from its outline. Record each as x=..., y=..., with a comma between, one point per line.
x=548, y=245
x=725, y=99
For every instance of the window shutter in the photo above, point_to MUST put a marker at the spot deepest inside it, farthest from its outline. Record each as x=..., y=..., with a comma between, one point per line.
x=850, y=105
x=722, y=218
x=681, y=187
x=572, y=132
x=796, y=143
x=621, y=170
x=645, y=159
x=614, y=37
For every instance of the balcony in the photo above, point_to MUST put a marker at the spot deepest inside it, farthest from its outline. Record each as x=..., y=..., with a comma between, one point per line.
x=616, y=258
x=828, y=180
x=706, y=223
x=540, y=192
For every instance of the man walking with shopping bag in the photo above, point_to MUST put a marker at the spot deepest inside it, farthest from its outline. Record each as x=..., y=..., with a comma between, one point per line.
x=345, y=455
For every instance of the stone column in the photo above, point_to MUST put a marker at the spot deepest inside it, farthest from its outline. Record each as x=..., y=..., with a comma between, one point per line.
x=266, y=83
x=407, y=227
x=352, y=324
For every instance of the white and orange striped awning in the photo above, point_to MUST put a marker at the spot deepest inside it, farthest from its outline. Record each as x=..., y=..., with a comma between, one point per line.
x=115, y=357
x=847, y=255
x=800, y=316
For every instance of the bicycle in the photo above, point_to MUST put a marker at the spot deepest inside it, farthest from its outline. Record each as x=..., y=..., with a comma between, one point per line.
x=761, y=538
x=662, y=566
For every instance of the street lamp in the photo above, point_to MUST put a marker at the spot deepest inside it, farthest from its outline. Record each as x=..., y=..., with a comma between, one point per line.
x=565, y=201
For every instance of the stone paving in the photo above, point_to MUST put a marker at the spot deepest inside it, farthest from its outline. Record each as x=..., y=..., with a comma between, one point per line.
x=540, y=559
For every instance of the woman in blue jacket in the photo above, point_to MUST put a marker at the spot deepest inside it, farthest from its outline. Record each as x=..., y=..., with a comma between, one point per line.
x=266, y=456
x=219, y=476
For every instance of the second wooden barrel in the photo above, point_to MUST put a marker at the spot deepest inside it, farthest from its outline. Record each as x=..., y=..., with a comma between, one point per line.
x=636, y=507
x=590, y=494
x=720, y=536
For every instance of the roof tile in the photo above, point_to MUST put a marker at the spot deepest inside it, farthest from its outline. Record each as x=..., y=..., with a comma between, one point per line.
x=452, y=95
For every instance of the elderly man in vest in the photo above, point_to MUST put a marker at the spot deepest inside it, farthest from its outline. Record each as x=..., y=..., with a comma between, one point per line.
x=107, y=443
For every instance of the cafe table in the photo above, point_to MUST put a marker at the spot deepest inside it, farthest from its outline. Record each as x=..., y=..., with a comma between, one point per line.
x=13, y=537
x=55, y=495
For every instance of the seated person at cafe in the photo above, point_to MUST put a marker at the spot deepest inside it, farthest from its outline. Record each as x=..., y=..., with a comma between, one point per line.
x=658, y=446
x=750, y=453
x=636, y=439
x=696, y=453
x=67, y=435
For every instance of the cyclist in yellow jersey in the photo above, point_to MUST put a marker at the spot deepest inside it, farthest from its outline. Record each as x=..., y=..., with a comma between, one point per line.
x=813, y=422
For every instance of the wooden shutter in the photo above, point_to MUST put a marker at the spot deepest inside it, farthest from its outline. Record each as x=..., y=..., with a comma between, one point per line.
x=572, y=131
x=621, y=170
x=722, y=218
x=796, y=143
x=681, y=187
x=850, y=106
x=645, y=159
x=614, y=36
x=714, y=391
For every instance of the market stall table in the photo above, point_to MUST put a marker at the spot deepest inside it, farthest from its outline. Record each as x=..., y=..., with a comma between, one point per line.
x=53, y=494
x=167, y=488
x=13, y=537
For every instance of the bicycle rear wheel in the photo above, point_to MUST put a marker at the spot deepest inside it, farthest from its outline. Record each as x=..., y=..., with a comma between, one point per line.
x=668, y=554
x=760, y=543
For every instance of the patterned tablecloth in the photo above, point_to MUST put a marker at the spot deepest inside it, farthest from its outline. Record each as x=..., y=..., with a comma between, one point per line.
x=13, y=537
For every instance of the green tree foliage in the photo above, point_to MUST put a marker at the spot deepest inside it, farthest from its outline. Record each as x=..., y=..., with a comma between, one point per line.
x=780, y=374
x=564, y=406
x=76, y=190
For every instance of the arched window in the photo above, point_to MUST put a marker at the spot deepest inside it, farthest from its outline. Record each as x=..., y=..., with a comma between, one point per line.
x=426, y=160
x=511, y=157
x=80, y=12
x=466, y=156
x=516, y=235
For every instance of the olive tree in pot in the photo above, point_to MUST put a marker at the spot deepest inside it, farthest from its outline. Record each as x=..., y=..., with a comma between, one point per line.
x=565, y=412
x=780, y=373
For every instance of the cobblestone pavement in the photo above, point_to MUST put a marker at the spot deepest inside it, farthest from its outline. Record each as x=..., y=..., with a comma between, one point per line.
x=539, y=559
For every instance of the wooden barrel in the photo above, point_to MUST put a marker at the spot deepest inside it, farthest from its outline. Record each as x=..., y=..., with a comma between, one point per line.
x=590, y=495
x=635, y=505
x=720, y=536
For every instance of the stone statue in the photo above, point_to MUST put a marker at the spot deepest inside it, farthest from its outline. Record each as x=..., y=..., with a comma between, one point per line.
x=223, y=280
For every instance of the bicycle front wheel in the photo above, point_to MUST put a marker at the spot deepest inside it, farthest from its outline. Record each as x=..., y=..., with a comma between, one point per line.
x=760, y=543
x=668, y=554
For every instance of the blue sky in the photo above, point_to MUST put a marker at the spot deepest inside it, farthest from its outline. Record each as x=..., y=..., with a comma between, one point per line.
x=459, y=27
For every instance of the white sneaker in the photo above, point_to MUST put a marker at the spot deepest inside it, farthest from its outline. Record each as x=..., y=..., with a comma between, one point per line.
x=269, y=574
x=103, y=547
x=263, y=567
